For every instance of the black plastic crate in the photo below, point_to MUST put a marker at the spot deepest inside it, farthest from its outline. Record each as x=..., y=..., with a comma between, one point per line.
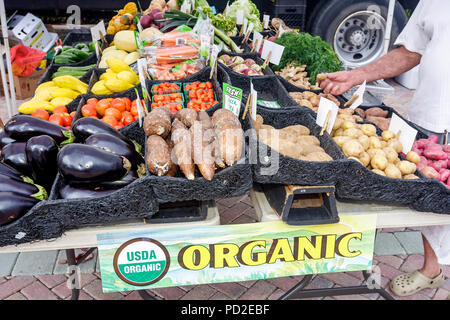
x=291, y=12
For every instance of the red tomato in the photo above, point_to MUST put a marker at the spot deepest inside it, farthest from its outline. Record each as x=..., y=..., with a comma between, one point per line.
x=88, y=110
x=72, y=114
x=119, y=104
x=134, y=110
x=129, y=118
x=101, y=106
x=112, y=121
x=127, y=103
x=57, y=118
x=67, y=119
x=93, y=101
x=40, y=113
x=61, y=109
x=113, y=112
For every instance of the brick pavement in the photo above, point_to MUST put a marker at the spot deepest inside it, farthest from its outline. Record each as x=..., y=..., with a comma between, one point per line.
x=236, y=210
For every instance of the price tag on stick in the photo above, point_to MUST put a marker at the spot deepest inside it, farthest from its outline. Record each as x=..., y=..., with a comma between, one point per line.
x=275, y=50
x=326, y=114
x=257, y=41
x=232, y=97
x=97, y=32
x=266, y=19
x=239, y=17
x=358, y=97
x=406, y=134
x=253, y=101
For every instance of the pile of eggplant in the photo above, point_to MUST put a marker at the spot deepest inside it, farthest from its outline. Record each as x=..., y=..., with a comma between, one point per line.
x=101, y=161
x=29, y=147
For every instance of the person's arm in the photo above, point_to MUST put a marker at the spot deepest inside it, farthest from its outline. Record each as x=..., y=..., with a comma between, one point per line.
x=390, y=65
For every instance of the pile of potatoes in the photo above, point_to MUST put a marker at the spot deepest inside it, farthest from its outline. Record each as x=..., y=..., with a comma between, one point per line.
x=293, y=141
x=311, y=100
x=360, y=142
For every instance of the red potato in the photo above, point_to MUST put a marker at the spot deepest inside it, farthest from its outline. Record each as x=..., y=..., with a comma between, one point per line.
x=435, y=153
x=444, y=175
x=433, y=138
x=417, y=150
x=436, y=165
x=446, y=148
x=430, y=172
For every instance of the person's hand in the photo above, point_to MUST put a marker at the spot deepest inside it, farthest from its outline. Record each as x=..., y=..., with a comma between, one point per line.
x=338, y=83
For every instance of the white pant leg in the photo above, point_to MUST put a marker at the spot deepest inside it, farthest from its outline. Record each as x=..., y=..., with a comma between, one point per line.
x=439, y=239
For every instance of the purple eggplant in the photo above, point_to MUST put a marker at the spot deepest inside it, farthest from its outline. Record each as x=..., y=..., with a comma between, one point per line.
x=7, y=170
x=74, y=192
x=4, y=138
x=8, y=184
x=13, y=206
x=126, y=180
x=85, y=127
x=23, y=127
x=41, y=154
x=87, y=163
x=14, y=155
x=119, y=147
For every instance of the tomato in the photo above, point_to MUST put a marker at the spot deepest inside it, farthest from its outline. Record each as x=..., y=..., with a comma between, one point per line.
x=62, y=109
x=67, y=119
x=127, y=103
x=57, y=118
x=40, y=113
x=134, y=110
x=209, y=85
x=119, y=125
x=88, y=110
x=119, y=104
x=112, y=121
x=113, y=112
x=72, y=114
x=93, y=101
x=101, y=106
x=127, y=119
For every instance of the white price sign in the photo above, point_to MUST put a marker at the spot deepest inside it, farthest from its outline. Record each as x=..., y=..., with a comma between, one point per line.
x=276, y=52
x=327, y=109
x=407, y=134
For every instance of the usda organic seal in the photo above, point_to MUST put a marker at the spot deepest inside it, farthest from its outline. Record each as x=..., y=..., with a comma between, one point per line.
x=141, y=261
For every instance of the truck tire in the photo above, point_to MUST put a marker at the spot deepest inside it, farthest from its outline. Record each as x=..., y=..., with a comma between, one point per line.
x=356, y=29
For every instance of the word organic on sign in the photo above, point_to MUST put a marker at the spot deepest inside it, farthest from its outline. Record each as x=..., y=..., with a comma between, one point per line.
x=229, y=253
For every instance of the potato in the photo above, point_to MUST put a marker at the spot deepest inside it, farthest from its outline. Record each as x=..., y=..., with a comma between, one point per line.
x=339, y=132
x=289, y=149
x=375, y=142
x=318, y=156
x=356, y=159
x=348, y=111
x=365, y=141
x=390, y=153
x=315, y=100
x=352, y=132
x=413, y=157
x=372, y=152
x=396, y=145
x=348, y=124
x=338, y=124
x=310, y=148
x=397, y=160
x=410, y=177
x=379, y=162
x=308, y=140
x=305, y=103
x=259, y=122
x=368, y=129
x=387, y=135
x=340, y=140
x=364, y=158
x=376, y=112
x=352, y=148
x=358, y=118
x=392, y=171
x=297, y=130
x=377, y=171
x=361, y=112
x=345, y=117
x=380, y=122
x=383, y=144
x=406, y=167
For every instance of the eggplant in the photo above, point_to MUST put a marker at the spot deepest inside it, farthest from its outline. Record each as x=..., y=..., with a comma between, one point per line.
x=87, y=126
x=8, y=184
x=41, y=154
x=14, y=155
x=74, y=192
x=13, y=206
x=119, y=147
x=7, y=170
x=126, y=180
x=4, y=138
x=23, y=127
x=87, y=163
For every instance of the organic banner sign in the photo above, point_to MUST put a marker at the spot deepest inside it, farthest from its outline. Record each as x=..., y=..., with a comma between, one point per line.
x=181, y=256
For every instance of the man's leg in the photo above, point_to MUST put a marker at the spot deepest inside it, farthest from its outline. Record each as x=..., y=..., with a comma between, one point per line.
x=431, y=267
